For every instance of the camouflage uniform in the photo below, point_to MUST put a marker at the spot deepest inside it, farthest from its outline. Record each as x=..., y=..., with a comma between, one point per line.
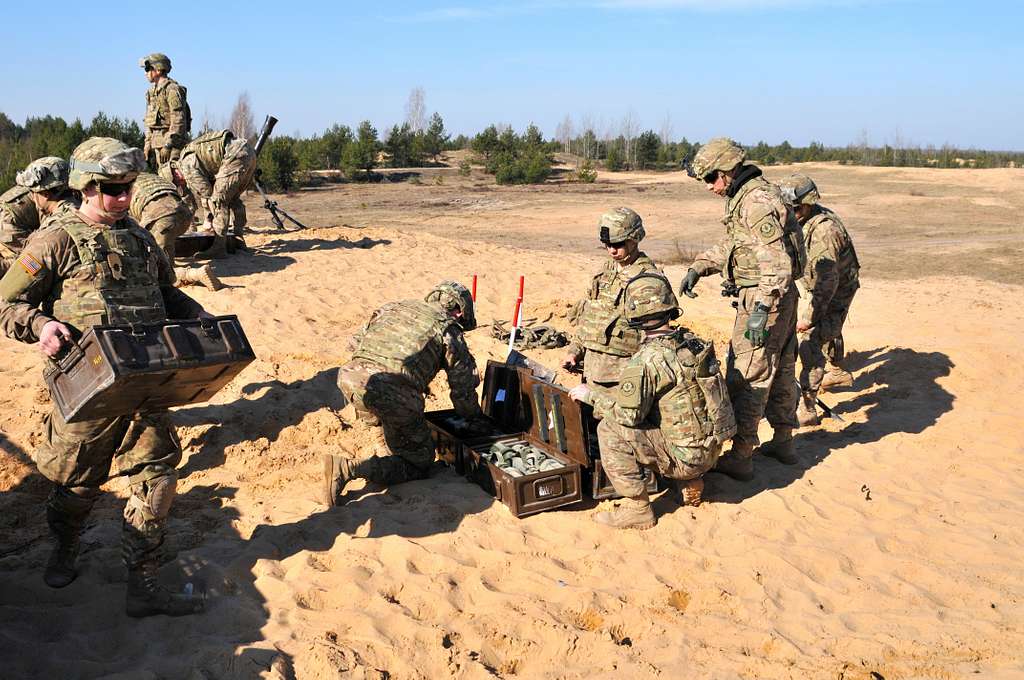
x=759, y=255
x=20, y=215
x=602, y=339
x=85, y=274
x=159, y=209
x=217, y=168
x=168, y=118
x=397, y=355
x=659, y=416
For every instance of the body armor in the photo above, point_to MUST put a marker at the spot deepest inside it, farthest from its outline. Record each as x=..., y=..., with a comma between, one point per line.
x=116, y=280
x=406, y=338
x=209, y=149
x=847, y=265
x=602, y=326
x=148, y=187
x=742, y=264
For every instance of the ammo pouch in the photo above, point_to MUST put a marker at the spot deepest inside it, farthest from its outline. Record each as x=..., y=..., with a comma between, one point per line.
x=721, y=421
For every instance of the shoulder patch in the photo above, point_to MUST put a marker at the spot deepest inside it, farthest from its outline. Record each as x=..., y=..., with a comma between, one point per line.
x=30, y=264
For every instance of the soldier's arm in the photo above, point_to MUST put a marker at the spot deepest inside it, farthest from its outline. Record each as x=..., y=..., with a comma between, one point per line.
x=714, y=259
x=177, y=120
x=822, y=276
x=636, y=393
x=42, y=264
x=764, y=216
x=460, y=366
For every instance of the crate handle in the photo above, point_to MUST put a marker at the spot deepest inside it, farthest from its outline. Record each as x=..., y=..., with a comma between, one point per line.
x=67, y=359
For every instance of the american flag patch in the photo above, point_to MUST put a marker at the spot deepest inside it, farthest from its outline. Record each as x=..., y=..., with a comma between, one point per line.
x=30, y=264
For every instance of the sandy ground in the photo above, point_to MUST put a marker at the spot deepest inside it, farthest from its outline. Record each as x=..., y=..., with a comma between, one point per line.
x=893, y=550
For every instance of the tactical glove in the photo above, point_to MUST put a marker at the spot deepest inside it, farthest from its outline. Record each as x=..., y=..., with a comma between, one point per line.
x=691, y=279
x=756, y=331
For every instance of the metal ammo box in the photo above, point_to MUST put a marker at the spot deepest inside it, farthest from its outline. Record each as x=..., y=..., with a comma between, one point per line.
x=119, y=370
x=507, y=402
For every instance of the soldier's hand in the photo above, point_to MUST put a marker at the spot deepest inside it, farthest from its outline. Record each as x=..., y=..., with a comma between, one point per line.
x=688, y=283
x=581, y=393
x=571, y=362
x=757, y=324
x=803, y=326
x=52, y=338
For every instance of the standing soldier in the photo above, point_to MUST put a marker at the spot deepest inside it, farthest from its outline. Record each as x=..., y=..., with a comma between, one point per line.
x=159, y=208
x=671, y=410
x=217, y=168
x=168, y=119
x=398, y=353
x=831, y=279
x=40, y=190
x=760, y=259
x=604, y=341
x=89, y=267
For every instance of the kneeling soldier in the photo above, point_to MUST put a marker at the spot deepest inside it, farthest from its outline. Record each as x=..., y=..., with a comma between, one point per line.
x=88, y=267
x=40, y=190
x=398, y=353
x=671, y=410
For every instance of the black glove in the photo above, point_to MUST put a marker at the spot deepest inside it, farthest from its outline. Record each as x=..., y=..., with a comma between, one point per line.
x=756, y=323
x=691, y=279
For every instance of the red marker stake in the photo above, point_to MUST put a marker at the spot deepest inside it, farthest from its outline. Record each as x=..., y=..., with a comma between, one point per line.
x=473, y=292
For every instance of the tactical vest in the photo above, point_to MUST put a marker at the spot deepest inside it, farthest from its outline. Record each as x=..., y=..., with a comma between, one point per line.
x=16, y=207
x=156, y=111
x=742, y=265
x=406, y=338
x=116, y=280
x=601, y=324
x=697, y=409
x=209, y=149
x=847, y=264
x=146, y=188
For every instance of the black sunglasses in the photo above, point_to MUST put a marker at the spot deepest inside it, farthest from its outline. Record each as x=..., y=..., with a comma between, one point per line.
x=710, y=177
x=115, y=189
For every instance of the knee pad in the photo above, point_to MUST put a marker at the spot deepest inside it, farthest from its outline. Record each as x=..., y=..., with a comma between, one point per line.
x=151, y=501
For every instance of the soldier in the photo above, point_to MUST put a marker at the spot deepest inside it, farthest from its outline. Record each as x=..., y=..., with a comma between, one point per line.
x=760, y=258
x=40, y=190
x=831, y=279
x=603, y=341
x=217, y=168
x=88, y=267
x=670, y=411
x=168, y=118
x=159, y=208
x=398, y=353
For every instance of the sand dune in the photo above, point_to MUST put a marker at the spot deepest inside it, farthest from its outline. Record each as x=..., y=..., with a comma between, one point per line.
x=892, y=550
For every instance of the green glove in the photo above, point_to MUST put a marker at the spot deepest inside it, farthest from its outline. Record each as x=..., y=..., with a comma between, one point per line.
x=756, y=323
x=688, y=283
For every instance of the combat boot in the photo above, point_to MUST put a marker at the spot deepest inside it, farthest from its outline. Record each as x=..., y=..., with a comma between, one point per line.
x=203, y=276
x=60, y=568
x=737, y=462
x=65, y=514
x=690, y=491
x=806, y=410
x=146, y=597
x=781, y=447
x=338, y=471
x=836, y=377
x=632, y=513
x=216, y=251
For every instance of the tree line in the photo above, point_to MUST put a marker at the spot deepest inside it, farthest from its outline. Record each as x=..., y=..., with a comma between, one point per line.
x=512, y=158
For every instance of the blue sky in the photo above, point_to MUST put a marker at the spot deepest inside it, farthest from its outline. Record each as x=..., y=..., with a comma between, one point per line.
x=912, y=71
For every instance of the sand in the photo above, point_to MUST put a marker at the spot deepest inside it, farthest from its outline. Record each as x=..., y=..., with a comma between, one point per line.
x=892, y=550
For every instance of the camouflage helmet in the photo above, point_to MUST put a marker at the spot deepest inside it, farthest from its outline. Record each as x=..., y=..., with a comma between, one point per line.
x=620, y=225
x=104, y=159
x=453, y=295
x=649, y=301
x=720, y=153
x=799, y=189
x=44, y=174
x=156, y=61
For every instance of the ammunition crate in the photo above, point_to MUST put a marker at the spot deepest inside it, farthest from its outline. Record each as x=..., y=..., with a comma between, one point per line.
x=528, y=494
x=449, y=437
x=120, y=370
